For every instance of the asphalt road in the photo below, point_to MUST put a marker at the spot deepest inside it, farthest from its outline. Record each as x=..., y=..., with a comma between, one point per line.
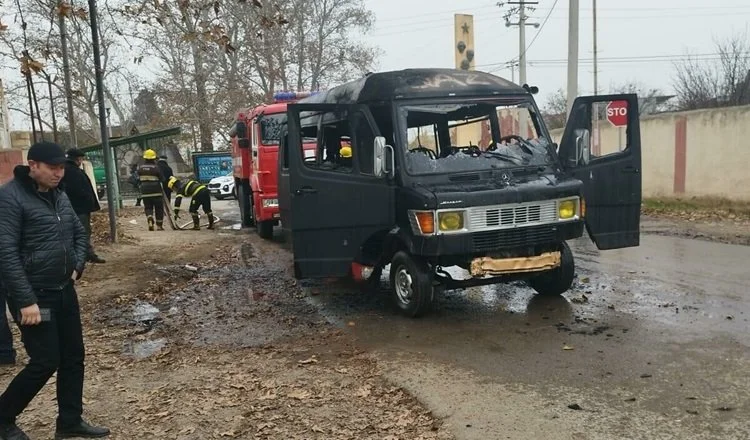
x=652, y=343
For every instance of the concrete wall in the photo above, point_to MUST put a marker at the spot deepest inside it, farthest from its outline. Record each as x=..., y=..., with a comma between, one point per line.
x=696, y=153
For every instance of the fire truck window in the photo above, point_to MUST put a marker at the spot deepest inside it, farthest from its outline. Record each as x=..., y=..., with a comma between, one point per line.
x=364, y=144
x=334, y=151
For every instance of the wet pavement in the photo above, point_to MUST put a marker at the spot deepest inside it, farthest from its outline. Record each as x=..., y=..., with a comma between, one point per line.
x=652, y=342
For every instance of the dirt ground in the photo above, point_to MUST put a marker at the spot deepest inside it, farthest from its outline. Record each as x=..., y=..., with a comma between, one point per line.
x=196, y=335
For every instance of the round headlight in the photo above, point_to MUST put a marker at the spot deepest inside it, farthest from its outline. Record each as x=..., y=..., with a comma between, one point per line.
x=567, y=209
x=451, y=221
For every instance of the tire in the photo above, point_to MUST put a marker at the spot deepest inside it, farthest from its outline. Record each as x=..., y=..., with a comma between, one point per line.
x=244, y=199
x=411, y=285
x=264, y=228
x=558, y=280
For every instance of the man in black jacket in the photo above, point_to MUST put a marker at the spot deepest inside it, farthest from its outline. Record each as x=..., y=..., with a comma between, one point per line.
x=166, y=174
x=77, y=186
x=42, y=251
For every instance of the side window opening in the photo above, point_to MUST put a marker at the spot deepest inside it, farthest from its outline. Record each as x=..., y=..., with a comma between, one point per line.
x=364, y=144
x=333, y=150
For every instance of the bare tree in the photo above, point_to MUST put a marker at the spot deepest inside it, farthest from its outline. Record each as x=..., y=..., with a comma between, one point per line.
x=38, y=46
x=216, y=57
x=720, y=81
x=554, y=113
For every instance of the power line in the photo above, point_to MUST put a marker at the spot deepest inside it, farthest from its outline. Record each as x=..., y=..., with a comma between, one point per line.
x=539, y=31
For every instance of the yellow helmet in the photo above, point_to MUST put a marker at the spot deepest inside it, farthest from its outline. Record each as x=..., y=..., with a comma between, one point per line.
x=149, y=154
x=171, y=182
x=346, y=151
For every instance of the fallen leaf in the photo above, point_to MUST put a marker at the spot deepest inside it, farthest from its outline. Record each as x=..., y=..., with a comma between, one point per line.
x=575, y=406
x=568, y=347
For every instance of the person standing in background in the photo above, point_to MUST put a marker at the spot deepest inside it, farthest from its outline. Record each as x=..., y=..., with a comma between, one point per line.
x=77, y=186
x=166, y=174
x=7, y=352
x=151, y=190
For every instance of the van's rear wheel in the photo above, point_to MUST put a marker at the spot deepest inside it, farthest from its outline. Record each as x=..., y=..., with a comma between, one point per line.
x=558, y=280
x=411, y=285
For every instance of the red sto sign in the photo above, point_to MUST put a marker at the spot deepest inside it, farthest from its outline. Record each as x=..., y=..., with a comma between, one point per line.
x=617, y=113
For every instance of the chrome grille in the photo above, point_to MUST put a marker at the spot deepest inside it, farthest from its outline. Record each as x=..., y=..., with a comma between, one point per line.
x=483, y=218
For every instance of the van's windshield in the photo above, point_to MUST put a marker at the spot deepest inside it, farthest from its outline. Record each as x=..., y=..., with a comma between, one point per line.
x=472, y=136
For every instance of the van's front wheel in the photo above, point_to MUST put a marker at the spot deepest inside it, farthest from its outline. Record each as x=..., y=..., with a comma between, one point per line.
x=411, y=285
x=558, y=280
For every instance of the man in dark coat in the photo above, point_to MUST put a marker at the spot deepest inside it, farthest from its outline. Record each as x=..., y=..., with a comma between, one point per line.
x=80, y=191
x=7, y=352
x=166, y=173
x=42, y=252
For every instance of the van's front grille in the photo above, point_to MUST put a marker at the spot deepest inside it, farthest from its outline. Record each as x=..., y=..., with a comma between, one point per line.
x=508, y=238
x=485, y=218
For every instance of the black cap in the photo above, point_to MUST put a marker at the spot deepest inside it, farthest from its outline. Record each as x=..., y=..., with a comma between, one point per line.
x=75, y=152
x=47, y=152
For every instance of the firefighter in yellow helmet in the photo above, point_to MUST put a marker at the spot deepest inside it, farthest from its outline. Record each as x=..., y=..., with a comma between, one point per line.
x=345, y=154
x=150, y=177
x=199, y=195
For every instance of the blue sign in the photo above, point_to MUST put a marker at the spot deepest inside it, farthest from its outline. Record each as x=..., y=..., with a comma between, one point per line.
x=207, y=167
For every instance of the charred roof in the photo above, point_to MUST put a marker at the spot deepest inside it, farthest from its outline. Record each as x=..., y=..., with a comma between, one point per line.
x=416, y=83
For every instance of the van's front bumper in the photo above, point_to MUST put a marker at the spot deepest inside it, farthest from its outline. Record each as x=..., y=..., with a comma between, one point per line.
x=450, y=249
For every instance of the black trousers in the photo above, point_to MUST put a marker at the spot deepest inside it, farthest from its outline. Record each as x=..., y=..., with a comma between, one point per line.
x=7, y=352
x=55, y=345
x=154, y=203
x=167, y=192
x=202, y=199
x=86, y=222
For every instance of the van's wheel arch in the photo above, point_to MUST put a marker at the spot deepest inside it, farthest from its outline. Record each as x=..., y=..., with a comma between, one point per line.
x=411, y=287
x=558, y=280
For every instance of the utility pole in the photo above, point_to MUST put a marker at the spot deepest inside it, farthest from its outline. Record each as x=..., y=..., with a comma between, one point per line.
x=108, y=159
x=596, y=67
x=66, y=79
x=520, y=10
x=572, y=53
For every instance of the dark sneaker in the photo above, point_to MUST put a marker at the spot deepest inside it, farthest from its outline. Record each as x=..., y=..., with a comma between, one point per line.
x=97, y=259
x=12, y=432
x=82, y=430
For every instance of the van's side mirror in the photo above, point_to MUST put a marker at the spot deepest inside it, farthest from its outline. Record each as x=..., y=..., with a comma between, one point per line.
x=379, y=160
x=583, y=148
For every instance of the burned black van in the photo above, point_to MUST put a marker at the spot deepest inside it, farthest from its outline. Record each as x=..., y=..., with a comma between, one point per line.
x=428, y=169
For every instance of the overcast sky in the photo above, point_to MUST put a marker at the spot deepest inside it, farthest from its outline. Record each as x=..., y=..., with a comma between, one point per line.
x=638, y=40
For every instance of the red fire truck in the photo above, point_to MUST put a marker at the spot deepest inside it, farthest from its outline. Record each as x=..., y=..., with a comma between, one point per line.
x=255, y=145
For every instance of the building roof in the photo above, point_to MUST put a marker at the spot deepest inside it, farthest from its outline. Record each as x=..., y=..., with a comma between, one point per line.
x=416, y=83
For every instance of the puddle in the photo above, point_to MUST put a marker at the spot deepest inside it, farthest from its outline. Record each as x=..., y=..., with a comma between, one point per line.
x=143, y=312
x=144, y=349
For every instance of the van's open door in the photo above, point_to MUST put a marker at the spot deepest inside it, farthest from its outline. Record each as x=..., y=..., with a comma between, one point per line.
x=601, y=146
x=338, y=197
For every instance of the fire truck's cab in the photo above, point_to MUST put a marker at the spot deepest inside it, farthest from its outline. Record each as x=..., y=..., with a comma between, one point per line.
x=255, y=143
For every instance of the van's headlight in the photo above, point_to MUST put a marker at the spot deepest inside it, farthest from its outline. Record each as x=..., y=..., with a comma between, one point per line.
x=270, y=203
x=451, y=221
x=567, y=209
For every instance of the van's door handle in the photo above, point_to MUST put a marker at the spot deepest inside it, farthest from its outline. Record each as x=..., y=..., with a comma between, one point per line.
x=630, y=170
x=305, y=190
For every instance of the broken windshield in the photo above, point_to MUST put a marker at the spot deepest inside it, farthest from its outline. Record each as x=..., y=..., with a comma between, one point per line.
x=473, y=136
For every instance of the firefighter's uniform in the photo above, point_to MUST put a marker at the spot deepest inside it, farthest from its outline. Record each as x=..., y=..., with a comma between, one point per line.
x=151, y=190
x=200, y=197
